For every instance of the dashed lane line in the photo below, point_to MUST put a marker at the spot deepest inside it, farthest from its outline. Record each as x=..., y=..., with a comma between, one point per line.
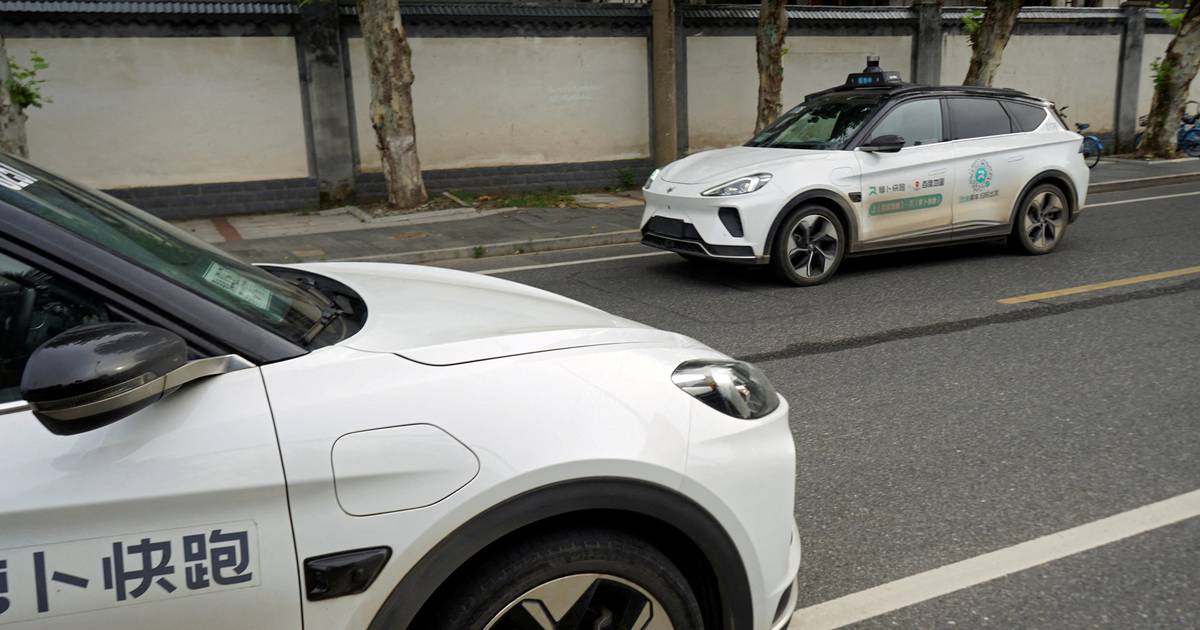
x=1096, y=286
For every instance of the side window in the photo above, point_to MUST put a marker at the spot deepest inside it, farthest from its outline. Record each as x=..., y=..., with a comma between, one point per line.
x=918, y=122
x=1025, y=117
x=35, y=306
x=978, y=117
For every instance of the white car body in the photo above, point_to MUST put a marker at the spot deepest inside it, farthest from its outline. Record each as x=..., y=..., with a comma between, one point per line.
x=920, y=195
x=462, y=396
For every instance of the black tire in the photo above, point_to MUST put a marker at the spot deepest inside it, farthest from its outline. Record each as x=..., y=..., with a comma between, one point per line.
x=1091, y=151
x=1040, y=225
x=785, y=265
x=501, y=579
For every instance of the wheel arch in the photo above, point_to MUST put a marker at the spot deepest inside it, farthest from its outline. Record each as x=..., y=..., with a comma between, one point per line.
x=1059, y=179
x=679, y=527
x=827, y=198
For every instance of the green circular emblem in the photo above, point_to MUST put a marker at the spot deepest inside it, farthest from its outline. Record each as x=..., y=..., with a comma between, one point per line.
x=981, y=175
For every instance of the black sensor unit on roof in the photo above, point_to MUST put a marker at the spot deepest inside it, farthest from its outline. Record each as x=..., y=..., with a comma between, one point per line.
x=872, y=75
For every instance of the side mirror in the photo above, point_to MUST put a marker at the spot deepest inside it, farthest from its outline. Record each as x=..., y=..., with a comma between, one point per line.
x=91, y=376
x=883, y=144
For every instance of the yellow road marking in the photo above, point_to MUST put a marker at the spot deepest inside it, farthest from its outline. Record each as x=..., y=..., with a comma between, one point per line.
x=1150, y=277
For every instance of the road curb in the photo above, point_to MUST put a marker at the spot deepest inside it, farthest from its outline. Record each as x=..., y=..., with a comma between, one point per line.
x=1143, y=182
x=502, y=249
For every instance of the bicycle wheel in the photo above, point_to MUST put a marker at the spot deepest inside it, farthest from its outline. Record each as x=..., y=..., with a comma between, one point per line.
x=1191, y=143
x=1091, y=151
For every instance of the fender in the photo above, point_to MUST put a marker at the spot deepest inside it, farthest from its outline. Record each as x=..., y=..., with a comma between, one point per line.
x=1050, y=174
x=824, y=194
x=607, y=494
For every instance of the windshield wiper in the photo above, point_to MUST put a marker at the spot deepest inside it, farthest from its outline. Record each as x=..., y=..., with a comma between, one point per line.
x=800, y=145
x=330, y=311
x=329, y=314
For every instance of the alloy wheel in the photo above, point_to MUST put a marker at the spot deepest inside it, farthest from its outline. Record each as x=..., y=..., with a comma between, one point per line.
x=1045, y=219
x=587, y=601
x=813, y=246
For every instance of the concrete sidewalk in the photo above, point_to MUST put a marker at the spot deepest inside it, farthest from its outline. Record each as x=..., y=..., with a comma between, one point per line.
x=602, y=219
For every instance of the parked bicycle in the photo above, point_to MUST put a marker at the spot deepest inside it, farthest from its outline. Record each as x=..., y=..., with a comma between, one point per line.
x=1092, y=147
x=1187, y=139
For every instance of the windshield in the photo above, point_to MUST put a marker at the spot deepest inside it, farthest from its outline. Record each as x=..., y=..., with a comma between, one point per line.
x=159, y=247
x=823, y=122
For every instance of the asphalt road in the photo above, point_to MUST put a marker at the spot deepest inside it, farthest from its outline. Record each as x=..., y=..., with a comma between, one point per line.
x=934, y=424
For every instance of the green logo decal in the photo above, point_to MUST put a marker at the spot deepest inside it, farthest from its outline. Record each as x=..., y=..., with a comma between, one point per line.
x=981, y=175
x=904, y=205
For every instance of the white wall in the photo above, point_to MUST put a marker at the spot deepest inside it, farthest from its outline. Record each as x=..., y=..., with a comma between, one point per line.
x=722, y=81
x=1075, y=70
x=509, y=101
x=172, y=110
x=1155, y=46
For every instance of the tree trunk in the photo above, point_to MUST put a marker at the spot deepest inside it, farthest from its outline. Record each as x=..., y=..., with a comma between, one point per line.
x=988, y=42
x=12, y=119
x=389, y=56
x=772, y=28
x=1177, y=69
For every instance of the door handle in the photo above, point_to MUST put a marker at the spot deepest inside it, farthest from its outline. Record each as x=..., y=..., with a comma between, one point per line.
x=940, y=171
x=1016, y=158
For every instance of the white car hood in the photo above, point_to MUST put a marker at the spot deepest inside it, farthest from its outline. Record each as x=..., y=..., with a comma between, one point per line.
x=443, y=317
x=721, y=165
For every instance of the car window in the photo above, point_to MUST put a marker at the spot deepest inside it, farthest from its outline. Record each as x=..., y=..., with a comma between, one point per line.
x=978, y=117
x=824, y=122
x=161, y=248
x=918, y=122
x=1025, y=117
x=34, y=307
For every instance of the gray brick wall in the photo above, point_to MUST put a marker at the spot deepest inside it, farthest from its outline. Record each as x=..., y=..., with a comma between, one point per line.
x=277, y=195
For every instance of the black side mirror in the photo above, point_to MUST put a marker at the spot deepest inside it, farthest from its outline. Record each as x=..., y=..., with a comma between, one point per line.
x=91, y=376
x=883, y=144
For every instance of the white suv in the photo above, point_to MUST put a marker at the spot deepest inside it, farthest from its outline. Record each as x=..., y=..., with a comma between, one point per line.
x=192, y=442
x=869, y=166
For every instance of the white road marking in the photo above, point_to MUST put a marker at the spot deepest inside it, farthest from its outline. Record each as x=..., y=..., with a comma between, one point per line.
x=1114, y=203
x=989, y=566
x=569, y=263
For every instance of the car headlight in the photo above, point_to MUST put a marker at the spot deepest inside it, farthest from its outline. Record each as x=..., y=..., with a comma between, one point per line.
x=735, y=388
x=650, y=180
x=739, y=186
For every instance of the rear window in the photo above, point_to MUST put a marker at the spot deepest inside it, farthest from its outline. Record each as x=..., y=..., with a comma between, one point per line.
x=1025, y=117
x=977, y=118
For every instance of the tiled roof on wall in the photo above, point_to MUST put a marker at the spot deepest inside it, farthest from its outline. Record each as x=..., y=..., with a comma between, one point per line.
x=749, y=12
x=158, y=7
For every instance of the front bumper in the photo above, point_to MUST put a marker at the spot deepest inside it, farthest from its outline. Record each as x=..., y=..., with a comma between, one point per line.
x=676, y=235
x=678, y=218
x=727, y=456
x=790, y=595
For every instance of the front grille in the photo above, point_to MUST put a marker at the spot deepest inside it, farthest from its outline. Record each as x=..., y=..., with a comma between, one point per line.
x=673, y=228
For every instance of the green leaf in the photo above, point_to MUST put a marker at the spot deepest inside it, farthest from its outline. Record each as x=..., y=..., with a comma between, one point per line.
x=24, y=86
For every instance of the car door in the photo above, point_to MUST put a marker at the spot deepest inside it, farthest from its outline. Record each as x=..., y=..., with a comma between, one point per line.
x=993, y=164
x=907, y=194
x=173, y=517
